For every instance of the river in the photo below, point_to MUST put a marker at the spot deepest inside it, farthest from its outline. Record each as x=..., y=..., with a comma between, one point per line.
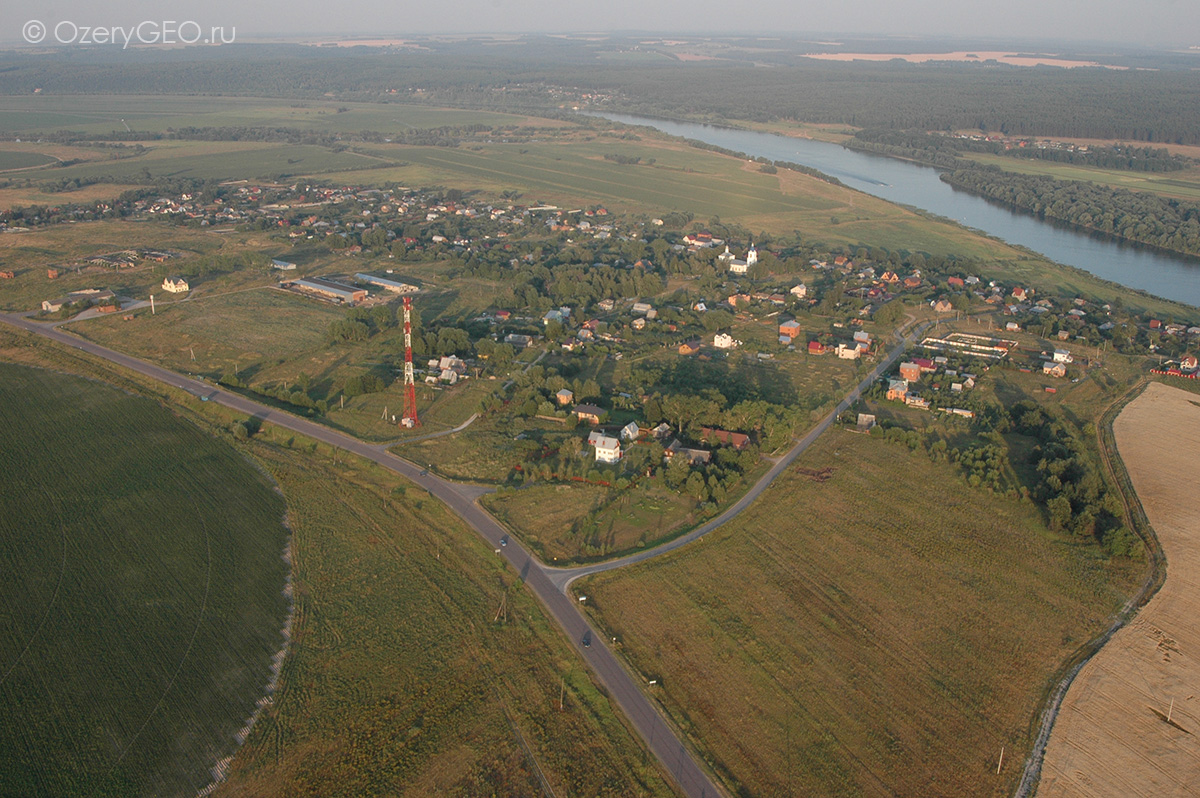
x=1170, y=276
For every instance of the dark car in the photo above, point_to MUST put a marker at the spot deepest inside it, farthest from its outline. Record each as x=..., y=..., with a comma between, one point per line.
x=587, y=640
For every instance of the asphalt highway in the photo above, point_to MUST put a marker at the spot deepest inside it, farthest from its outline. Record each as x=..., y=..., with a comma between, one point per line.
x=547, y=583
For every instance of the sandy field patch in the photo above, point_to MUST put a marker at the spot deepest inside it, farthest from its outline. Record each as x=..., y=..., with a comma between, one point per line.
x=1012, y=59
x=1112, y=737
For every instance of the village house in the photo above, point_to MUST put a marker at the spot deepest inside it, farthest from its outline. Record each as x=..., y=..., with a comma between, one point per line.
x=176, y=285
x=912, y=281
x=518, y=341
x=641, y=308
x=589, y=413
x=725, y=341
x=737, y=440
x=689, y=348
x=1062, y=356
x=955, y=282
x=1188, y=364
x=789, y=330
x=630, y=432
x=608, y=450
x=897, y=390
x=866, y=422
x=816, y=348
x=638, y=324
x=943, y=306
x=920, y=403
x=696, y=457
x=564, y=397
x=283, y=265
x=851, y=352
x=1054, y=369
x=800, y=291
x=910, y=371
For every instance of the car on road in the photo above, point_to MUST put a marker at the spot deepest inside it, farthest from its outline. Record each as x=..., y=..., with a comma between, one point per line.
x=425, y=472
x=504, y=540
x=587, y=640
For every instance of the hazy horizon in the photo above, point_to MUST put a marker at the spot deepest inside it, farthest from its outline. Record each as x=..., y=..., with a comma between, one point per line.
x=1156, y=23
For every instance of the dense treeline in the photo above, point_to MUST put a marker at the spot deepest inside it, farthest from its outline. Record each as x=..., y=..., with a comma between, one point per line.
x=1135, y=216
x=940, y=150
x=1131, y=105
x=1059, y=474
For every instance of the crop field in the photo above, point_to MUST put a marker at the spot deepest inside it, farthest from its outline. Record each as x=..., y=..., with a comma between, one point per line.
x=103, y=114
x=1184, y=184
x=419, y=664
x=884, y=632
x=1128, y=724
x=216, y=160
x=10, y=159
x=143, y=592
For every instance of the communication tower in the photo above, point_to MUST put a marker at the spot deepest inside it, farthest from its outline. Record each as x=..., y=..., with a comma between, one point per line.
x=409, y=419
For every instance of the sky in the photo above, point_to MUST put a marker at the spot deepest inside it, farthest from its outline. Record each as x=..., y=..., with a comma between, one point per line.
x=1130, y=22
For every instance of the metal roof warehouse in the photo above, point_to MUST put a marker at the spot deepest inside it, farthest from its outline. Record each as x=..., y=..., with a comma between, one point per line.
x=331, y=289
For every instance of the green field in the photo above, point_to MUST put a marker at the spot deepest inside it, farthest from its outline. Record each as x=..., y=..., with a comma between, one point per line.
x=885, y=632
x=1183, y=185
x=10, y=159
x=143, y=592
x=218, y=160
x=420, y=666
x=103, y=114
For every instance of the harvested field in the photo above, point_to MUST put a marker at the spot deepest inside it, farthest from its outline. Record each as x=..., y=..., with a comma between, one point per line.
x=1118, y=733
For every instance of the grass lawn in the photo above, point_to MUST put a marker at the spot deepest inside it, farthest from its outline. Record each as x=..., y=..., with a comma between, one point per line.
x=143, y=597
x=884, y=632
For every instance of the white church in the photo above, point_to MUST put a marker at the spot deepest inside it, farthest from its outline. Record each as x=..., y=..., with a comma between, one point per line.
x=737, y=265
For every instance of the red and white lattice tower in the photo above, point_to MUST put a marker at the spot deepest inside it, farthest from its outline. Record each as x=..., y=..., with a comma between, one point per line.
x=410, y=385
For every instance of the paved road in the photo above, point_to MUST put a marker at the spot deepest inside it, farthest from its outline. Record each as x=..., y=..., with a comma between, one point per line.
x=624, y=690
x=548, y=584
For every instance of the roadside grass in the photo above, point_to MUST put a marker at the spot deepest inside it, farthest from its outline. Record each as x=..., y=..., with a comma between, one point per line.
x=485, y=452
x=419, y=664
x=883, y=632
x=569, y=521
x=143, y=597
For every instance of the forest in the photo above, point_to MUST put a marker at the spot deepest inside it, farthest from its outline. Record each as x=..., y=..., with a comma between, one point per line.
x=1135, y=216
x=1153, y=106
x=943, y=151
